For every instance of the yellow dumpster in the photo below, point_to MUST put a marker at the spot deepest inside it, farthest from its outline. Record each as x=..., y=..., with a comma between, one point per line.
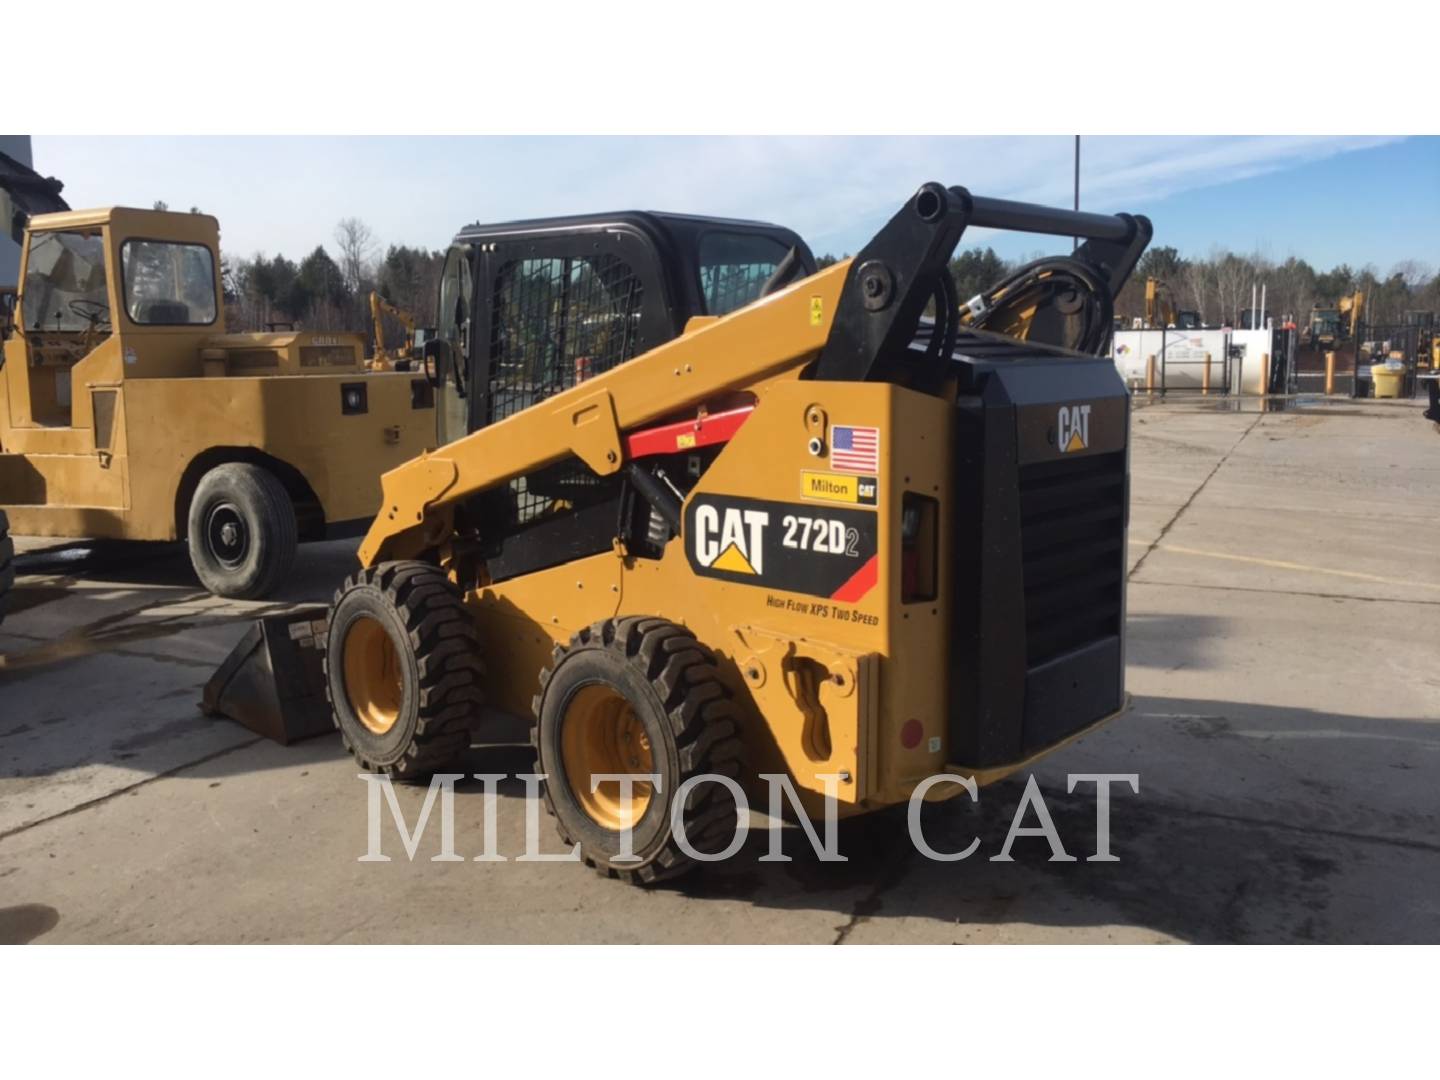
x=1388, y=378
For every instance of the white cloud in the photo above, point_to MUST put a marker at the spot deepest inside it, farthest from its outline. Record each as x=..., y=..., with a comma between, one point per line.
x=285, y=194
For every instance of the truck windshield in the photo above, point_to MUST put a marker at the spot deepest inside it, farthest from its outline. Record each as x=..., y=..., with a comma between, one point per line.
x=734, y=268
x=65, y=282
x=168, y=284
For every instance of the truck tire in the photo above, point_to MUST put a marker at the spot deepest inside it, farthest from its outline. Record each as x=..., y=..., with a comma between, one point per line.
x=7, y=563
x=637, y=695
x=402, y=669
x=242, y=531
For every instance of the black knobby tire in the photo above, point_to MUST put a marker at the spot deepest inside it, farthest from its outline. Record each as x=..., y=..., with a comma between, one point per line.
x=438, y=653
x=242, y=531
x=670, y=682
x=7, y=563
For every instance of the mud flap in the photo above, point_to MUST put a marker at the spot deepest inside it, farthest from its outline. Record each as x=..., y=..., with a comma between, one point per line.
x=273, y=681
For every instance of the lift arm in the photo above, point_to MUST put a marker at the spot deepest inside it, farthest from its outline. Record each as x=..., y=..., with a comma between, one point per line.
x=772, y=336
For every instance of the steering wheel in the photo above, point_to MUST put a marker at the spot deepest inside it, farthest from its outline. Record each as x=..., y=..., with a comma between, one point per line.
x=92, y=311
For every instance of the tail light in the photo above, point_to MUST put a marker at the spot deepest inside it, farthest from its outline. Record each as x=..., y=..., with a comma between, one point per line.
x=919, y=520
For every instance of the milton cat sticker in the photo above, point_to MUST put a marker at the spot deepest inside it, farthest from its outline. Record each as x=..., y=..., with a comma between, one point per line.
x=819, y=551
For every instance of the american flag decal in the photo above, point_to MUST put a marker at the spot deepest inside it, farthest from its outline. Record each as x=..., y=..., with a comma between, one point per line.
x=855, y=449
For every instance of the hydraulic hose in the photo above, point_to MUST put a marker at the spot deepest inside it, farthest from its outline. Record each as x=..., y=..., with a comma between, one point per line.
x=1069, y=285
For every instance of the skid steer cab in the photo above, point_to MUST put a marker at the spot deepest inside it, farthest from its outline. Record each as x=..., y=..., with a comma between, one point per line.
x=704, y=512
x=127, y=412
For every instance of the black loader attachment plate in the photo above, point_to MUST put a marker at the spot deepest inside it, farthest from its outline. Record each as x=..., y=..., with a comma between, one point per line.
x=273, y=681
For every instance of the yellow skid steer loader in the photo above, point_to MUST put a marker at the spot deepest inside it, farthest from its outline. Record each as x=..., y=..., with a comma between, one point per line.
x=703, y=512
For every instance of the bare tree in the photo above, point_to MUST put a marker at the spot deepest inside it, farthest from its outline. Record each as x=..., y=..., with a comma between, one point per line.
x=356, y=242
x=1231, y=275
x=1195, y=279
x=1415, y=273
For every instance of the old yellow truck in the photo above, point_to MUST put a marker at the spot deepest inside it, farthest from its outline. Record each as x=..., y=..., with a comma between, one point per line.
x=127, y=412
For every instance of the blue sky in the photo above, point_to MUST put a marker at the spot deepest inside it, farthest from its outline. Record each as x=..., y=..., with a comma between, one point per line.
x=1329, y=199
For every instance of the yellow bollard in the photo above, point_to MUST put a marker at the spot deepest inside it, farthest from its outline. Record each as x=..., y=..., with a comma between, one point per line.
x=1150, y=374
x=1329, y=373
x=1205, y=376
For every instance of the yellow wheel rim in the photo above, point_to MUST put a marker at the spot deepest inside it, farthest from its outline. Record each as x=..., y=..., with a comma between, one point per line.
x=374, y=680
x=600, y=733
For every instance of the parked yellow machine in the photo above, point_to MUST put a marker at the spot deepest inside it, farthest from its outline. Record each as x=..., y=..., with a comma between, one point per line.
x=720, y=514
x=1160, y=309
x=383, y=358
x=126, y=411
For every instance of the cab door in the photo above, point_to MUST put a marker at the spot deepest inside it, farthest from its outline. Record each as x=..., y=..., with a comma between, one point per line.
x=449, y=366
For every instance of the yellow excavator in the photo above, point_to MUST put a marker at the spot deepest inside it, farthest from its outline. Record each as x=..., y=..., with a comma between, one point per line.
x=1328, y=351
x=1160, y=309
x=384, y=360
x=1340, y=323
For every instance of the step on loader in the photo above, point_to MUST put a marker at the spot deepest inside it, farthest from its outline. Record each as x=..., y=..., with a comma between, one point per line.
x=705, y=511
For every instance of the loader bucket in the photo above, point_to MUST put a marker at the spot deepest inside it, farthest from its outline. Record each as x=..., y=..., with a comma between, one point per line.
x=273, y=681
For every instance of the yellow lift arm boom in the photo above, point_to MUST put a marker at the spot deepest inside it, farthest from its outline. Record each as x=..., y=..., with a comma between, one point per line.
x=587, y=419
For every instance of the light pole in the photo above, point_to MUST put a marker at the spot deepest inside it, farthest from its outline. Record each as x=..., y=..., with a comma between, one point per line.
x=1075, y=239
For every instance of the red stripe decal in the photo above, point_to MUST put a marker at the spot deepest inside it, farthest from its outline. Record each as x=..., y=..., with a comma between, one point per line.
x=860, y=583
x=708, y=430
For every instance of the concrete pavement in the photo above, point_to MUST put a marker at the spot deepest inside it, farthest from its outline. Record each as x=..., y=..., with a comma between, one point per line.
x=1284, y=616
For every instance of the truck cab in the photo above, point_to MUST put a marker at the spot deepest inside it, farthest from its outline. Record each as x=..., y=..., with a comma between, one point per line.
x=127, y=412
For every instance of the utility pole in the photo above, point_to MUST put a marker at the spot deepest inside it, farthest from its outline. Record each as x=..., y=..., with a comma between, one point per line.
x=1075, y=239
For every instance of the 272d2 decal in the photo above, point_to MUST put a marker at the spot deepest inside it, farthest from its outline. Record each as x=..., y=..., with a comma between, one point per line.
x=818, y=551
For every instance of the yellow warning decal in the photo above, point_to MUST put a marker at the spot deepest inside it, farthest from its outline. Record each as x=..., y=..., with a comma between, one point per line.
x=838, y=488
x=732, y=560
x=817, y=310
x=685, y=441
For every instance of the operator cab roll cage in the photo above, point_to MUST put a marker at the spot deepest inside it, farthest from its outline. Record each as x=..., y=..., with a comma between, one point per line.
x=662, y=259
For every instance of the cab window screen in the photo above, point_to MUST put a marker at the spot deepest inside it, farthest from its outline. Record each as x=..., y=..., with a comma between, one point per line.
x=558, y=322
x=168, y=284
x=734, y=268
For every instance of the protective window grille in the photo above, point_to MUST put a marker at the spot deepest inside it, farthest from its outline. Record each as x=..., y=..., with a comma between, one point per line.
x=558, y=322
x=730, y=286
